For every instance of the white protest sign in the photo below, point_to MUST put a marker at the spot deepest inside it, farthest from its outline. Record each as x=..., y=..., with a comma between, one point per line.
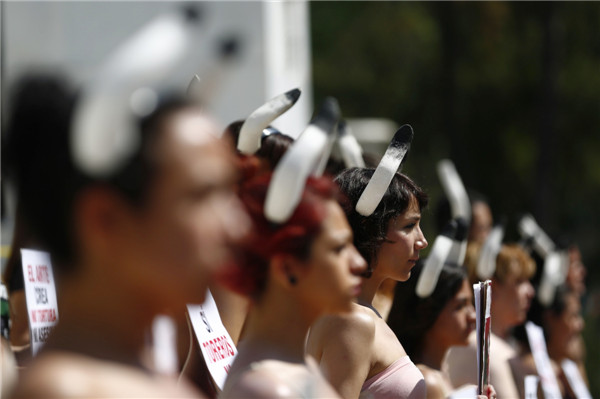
x=40, y=293
x=216, y=345
x=575, y=380
x=537, y=343
x=531, y=386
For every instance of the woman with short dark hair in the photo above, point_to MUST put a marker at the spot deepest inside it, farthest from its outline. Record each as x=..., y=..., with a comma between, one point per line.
x=358, y=352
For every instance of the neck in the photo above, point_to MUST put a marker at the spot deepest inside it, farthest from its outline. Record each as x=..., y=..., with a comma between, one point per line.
x=500, y=327
x=98, y=318
x=369, y=289
x=277, y=327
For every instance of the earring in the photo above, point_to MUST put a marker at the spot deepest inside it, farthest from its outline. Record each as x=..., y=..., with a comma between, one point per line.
x=292, y=280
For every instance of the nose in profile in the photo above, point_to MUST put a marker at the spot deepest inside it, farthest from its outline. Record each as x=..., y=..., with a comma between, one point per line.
x=421, y=242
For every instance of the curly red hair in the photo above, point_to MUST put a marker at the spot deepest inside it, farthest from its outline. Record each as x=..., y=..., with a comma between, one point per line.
x=294, y=237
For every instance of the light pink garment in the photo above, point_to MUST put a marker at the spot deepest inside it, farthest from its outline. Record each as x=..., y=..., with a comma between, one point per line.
x=402, y=379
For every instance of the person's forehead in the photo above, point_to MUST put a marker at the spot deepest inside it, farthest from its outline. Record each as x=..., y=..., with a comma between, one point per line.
x=188, y=128
x=412, y=210
x=190, y=141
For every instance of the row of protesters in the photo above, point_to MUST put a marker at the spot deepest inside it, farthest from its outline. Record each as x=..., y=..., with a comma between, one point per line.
x=144, y=208
x=512, y=294
x=562, y=324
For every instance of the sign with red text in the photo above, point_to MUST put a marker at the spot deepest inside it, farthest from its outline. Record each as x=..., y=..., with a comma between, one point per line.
x=215, y=343
x=40, y=293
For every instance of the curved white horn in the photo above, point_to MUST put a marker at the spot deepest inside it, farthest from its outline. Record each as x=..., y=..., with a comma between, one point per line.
x=251, y=130
x=103, y=131
x=435, y=261
x=349, y=147
x=486, y=264
x=299, y=162
x=454, y=189
x=387, y=168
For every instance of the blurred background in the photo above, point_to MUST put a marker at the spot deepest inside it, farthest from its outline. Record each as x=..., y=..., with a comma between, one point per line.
x=509, y=91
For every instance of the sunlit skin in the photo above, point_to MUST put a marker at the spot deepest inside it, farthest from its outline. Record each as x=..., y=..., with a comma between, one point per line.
x=137, y=261
x=276, y=328
x=331, y=277
x=333, y=340
x=511, y=300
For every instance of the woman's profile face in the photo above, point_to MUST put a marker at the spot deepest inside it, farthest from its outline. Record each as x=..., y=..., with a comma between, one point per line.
x=456, y=320
x=514, y=294
x=396, y=258
x=566, y=326
x=333, y=269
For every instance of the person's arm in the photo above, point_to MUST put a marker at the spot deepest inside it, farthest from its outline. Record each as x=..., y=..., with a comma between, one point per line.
x=433, y=382
x=342, y=345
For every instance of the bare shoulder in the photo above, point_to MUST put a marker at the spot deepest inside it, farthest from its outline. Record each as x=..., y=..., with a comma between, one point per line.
x=436, y=387
x=340, y=330
x=358, y=323
x=62, y=375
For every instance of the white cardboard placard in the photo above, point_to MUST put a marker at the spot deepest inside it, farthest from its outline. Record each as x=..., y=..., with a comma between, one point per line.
x=216, y=344
x=40, y=294
x=575, y=380
x=537, y=343
x=531, y=386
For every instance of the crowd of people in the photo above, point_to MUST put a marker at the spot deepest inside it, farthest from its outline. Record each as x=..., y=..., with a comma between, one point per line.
x=299, y=250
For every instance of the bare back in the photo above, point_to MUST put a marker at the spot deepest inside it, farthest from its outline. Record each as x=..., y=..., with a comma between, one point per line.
x=277, y=379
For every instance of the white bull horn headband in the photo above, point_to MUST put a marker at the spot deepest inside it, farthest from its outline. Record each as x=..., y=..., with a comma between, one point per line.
x=387, y=168
x=528, y=227
x=436, y=259
x=459, y=244
x=299, y=162
x=252, y=128
x=349, y=147
x=454, y=189
x=486, y=263
x=103, y=130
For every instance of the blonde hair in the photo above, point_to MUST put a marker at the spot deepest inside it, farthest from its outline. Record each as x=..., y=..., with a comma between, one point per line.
x=512, y=260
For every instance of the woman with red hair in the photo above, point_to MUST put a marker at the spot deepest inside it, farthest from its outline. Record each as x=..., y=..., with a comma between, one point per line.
x=294, y=272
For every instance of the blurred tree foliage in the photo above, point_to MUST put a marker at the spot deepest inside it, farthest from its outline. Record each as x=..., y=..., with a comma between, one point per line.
x=510, y=91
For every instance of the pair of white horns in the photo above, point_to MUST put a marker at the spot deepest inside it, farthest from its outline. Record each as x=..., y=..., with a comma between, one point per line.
x=103, y=130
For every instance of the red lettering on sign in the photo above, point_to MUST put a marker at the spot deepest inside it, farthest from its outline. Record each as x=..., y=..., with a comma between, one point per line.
x=30, y=273
x=218, y=349
x=43, y=315
x=42, y=274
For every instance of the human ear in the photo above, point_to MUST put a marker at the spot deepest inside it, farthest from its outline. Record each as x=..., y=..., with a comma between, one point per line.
x=98, y=219
x=286, y=270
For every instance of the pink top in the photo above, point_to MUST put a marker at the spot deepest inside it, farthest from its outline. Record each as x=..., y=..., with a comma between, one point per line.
x=402, y=379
